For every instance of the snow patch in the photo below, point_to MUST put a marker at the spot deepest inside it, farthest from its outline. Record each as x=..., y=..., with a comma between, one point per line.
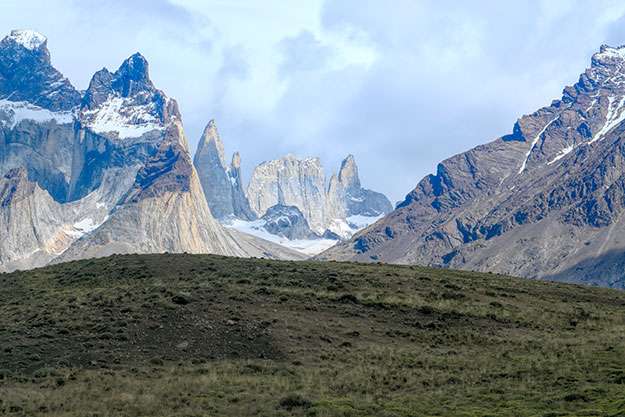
x=119, y=115
x=610, y=52
x=28, y=38
x=534, y=142
x=255, y=228
x=83, y=227
x=613, y=118
x=562, y=154
x=13, y=112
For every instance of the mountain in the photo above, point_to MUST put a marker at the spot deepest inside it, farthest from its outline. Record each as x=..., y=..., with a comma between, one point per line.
x=288, y=198
x=288, y=222
x=340, y=207
x=290, y=181
x=103, y=171
x=545, y=201
x=221, y=183
x=351, y=205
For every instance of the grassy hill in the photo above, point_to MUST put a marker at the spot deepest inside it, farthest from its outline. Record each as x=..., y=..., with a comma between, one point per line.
x=202, y=335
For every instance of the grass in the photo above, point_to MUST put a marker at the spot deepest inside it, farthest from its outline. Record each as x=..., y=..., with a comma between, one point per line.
x=203, y=335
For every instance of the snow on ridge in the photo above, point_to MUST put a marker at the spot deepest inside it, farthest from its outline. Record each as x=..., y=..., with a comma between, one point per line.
x=534, y=142
x=119, y=115
x=613, y=118
x=610, y=52
x=16, y=111
x=28, y=38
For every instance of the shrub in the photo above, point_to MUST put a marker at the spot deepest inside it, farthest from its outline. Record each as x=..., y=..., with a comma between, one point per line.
x=294, y=401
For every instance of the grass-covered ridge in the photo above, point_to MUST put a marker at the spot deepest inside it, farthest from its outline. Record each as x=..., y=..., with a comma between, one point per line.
x=201, y=335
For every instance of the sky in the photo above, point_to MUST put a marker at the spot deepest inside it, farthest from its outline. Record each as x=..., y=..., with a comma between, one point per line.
x=401, y=84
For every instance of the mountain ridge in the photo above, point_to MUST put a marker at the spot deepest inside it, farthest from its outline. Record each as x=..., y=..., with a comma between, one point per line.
x=532, y=203
x=109, y=168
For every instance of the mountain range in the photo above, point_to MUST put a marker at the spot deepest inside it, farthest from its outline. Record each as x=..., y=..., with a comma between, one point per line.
x=109, y=170
x=288, y=200
x=546, y=201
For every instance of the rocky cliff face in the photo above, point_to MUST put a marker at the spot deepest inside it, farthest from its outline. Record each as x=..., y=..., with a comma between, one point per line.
x=105, y=172
x=222, y=184
x=545, y=201
x=302, y=183
x=288, y=222
x=26, y=74
x=291, y=182
x=347, y=197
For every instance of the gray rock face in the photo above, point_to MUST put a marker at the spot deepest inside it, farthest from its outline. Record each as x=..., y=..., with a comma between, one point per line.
x=222, y=184
x=104, y=173
x=544, y=202
x=165, y=211
x=287, y=221
x=348, y=198
x=302, y=183
x=291, y=182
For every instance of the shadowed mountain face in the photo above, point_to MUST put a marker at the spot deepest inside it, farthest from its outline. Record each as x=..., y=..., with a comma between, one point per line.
x=107, y=171
x=534, y=203
x=222, y=184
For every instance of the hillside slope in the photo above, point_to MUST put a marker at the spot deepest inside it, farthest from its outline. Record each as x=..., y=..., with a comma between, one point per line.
x=191, y=335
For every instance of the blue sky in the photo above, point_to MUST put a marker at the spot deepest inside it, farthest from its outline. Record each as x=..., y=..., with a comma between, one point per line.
x=401, y=85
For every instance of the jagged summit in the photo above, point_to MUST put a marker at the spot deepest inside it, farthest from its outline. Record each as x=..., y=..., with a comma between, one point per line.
x=28, y=38
x=348, y=174
x=211, y=146
x=607, y=52
x=221, y=183
x=133, y=76
x=126, y=102
x=26, y=73
x=546, y=201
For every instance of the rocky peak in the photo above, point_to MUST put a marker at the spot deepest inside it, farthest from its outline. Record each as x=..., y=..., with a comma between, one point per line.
x=291, y=181
x=125, y=103
x=211, y=147
x=348, y=174
x=26, y=73
x=288, y=222
x=222, y=184
x=132, y=76
x=236, y=161
x=28, y=38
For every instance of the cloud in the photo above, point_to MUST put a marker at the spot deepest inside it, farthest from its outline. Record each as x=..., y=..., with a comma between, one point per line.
x=303, y=52
x=401, y=86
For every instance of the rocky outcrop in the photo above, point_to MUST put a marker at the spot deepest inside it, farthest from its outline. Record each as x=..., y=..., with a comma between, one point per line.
x=346, y=197
x=545, y=201
x=288, y=222
x=222, y=184
x=291, y=182
x=302, y=183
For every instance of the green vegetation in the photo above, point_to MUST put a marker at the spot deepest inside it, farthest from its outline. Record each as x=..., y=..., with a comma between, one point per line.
x=201, y=335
